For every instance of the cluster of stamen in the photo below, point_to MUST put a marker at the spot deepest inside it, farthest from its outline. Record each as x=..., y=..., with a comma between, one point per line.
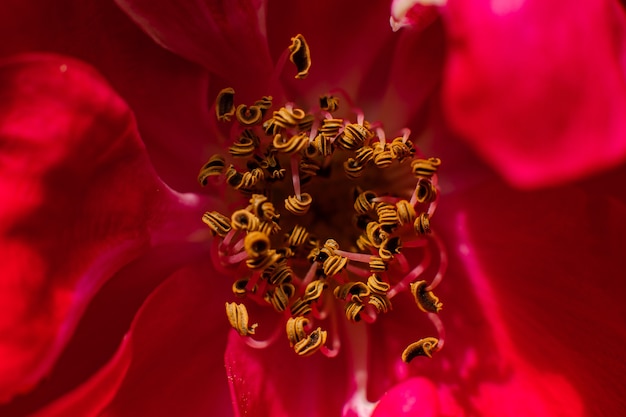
x=278, y=163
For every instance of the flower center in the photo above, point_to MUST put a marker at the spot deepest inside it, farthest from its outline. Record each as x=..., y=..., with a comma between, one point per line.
x=333, y=215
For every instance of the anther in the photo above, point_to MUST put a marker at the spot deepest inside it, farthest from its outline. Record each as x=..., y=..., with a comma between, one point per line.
x=423, y=347
x=245, y=145
x=300, y=55
x=377, y=285
x=329, y=103
x=257, y=244
x=299, y=206
x=364, y=202
x=248, y=116
x=422, y=224
x=219, y=224
x=352, y=291
x=312, y=343
x=239, y=287
x=238, y=317
x=224, y=104
x=214, y=166
x=279, y=297
x=425, y=168
x=406, y=212
x=425, y=299
x=295, y=329
x=292, y=144
x=314, y=291
x=244, y=220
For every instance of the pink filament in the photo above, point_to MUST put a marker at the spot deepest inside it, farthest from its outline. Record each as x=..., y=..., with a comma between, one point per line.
x=441, y=331
x=295, y=175
x=356, y=257
x=443, y=263
x=411, y=276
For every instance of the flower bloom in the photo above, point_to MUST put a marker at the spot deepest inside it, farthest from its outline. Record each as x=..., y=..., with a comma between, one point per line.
x=111, y=305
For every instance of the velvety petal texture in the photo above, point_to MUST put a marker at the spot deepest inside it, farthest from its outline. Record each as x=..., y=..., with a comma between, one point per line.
x=80, y=200
x=538, y=87
x=227, y=37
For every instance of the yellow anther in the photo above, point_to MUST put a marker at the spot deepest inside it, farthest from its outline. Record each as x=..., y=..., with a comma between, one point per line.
x=248, y=116
x=262, y=262
x=299, y=206
x=425, y=168
x=300, y=307
x=330, y=127
x=238, y=317
x=291, y=144
x=406, y=212
x=264, y=104
x=312, y=343
x=387, y=215
x=280, y=295
x=323, y=145
x=300, y=56
x=352, y=168
x=375, y=234
x=219, y=224
x=364, y=154
x=363, y=243
x=225, y=104
x=214, y=166
x=309, y=167
x=257, y=244
x=269, y=228
x=239, y=287
x=383, y=159
x=422, y=224
x=245, y=146
x=356, y=291
x=334, y=265
x=353, y=310
x=426, y=300
x=297, y=236
x=380, y=302
x=364, y=202
x=329, y=103
x=314, y=291
x=426, y=191
x=423, y=347
x=353, y=137
x=295, y=329
x=377, y=285
x=377, y=264
x=278, y=273
x=401, y=150
x=389, y=248
x=244, y=220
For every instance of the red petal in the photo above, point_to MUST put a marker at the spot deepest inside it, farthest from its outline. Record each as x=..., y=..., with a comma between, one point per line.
x=178, y=339
x=275, y=382
x=90, y=398
x=225, y=36
x=532, y=305
x=167, y=93
x=80, y=201
x=538, y=87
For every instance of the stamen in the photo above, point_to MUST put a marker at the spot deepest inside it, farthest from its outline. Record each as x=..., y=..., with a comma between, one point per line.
x=291, y=271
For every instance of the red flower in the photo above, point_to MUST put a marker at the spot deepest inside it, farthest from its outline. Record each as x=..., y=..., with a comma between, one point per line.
x=110, y=305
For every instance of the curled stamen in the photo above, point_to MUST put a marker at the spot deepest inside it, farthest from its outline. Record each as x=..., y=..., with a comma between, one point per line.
x=425, y=299
x=215, y=166
x=299, y=206
x=300, y=55
x=248, y=116
x=423, y=347
x=225, y=105
x=238, y=318
x=219, y=224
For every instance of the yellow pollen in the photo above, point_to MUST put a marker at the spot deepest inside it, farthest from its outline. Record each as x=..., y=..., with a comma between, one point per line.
x=330, y=214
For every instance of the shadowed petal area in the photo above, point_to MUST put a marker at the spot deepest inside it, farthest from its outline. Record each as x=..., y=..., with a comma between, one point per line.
x=533, y=278
x=538, y=87
x=225, y=36
x=167, y=93
x=80, y=200
x=276, y=382
x=178, y=339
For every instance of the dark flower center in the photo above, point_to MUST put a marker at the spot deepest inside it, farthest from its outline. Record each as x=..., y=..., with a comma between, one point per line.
x=329, y=207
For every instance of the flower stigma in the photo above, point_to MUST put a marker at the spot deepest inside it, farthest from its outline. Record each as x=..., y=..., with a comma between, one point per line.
x=332, y=217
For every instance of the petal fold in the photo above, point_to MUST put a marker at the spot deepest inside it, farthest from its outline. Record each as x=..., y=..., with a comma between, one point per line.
x=80, y=200
x=538, y=87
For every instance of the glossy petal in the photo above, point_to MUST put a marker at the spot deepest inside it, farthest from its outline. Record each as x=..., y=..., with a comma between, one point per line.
x=227, y=37
x=538, y=87
x=74, y=179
